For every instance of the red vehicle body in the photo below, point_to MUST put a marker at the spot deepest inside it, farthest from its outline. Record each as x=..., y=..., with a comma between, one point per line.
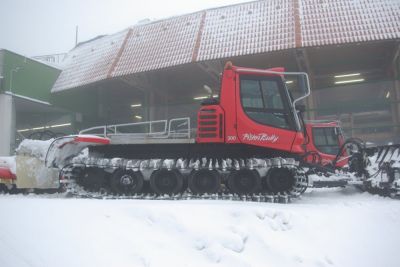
x=6, y=174
x=228, y=122
x=7, y=178
x=325, y=138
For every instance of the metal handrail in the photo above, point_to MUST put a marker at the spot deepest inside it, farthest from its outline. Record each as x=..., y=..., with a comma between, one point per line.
x=186, y=121
x=167, y=132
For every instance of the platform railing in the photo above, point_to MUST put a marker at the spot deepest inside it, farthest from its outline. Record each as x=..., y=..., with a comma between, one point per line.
x=173, y=128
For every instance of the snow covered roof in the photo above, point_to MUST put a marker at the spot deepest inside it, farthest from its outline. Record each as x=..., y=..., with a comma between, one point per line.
x=157, y=45
x=249, y=28
x=326, y=22
x=90, y=61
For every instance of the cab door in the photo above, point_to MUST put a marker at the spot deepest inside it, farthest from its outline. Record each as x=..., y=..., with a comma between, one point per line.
x=264, y=114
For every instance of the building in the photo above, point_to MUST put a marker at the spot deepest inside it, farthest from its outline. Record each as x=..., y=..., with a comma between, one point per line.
x=25, y=108
x=157, y=70
x=350, y=48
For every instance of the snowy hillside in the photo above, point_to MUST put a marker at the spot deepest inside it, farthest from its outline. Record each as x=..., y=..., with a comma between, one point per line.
x=324, y=228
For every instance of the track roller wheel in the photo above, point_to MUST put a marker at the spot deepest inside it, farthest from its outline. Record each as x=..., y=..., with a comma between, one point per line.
x=279, y=180
x=204, y=181
x=126, y=182
x=166, y=181
x=244, y=182
x=93, y=179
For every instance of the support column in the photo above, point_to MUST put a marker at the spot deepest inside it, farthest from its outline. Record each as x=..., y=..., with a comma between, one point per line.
x=103, y=109
x=395, y=92
x=149, y=108
x=303, y=64
x=310, y=101
x=352, y=131
x=7, y=125
x=396, y=105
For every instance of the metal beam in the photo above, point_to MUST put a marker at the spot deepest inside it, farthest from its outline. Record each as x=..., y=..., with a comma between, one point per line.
x=213, y=69
x=396, y=53
x=143, y=82
x=138, y=82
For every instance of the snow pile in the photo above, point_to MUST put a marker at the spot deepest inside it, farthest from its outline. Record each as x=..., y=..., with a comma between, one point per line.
x=325, y=228
x=35, y=148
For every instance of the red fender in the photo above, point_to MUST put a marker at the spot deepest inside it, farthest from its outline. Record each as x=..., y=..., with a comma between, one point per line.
x=5, y=173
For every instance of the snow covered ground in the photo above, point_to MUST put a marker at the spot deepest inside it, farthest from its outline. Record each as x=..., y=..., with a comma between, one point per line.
x=324, y=228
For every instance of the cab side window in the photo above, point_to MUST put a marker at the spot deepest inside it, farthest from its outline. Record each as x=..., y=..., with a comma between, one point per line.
x=325, y=140
x=262, y=101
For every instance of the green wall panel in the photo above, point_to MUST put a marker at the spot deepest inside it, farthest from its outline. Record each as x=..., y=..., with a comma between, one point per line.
x=32, y=79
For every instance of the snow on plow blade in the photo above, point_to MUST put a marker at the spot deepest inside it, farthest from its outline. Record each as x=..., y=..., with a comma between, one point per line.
x=38, y=162
x=64, y=148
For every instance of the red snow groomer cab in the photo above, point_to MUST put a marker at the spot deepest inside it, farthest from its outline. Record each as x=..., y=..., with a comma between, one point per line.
x=323, y=142
x=254, y=110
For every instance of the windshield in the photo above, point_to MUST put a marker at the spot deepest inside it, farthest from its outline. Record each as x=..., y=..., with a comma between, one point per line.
x=265, y=101
x=326, y=140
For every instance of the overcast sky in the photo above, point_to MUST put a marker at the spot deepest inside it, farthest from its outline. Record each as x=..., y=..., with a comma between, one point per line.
x=41, y=27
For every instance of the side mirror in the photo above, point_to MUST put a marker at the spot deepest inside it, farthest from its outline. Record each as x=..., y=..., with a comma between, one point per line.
x=301, y=108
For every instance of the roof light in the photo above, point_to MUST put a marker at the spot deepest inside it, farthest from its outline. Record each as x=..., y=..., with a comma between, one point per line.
x=136, y=105
x=200, y=97
x=289, y=82
x=60, y=125
x=388, y=94
x=138, y=117
x=350, y=81
x=215, y=96
x=44, y=127
x=347, y=75
x=38, y=128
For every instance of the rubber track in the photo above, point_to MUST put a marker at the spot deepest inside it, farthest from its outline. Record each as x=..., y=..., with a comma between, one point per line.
x=190, y=165
x=269, y=198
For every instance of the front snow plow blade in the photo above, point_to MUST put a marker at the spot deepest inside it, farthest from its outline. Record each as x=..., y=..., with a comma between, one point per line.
x=62, y=149
x=38, y=163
